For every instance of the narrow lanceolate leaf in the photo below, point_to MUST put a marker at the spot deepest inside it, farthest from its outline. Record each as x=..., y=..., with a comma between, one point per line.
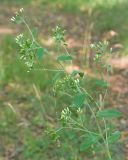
x=114, y=137
x=79, y=100
x=40, y=53
x=101, y=83
x=76, y=72
x=56, y=77
x=64, y=58
x=34, y=32
x=109, y=113
x=88, y=141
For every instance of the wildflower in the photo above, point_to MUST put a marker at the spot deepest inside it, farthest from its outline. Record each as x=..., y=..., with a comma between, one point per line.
x=77, y=81
x=13, y=19
x=21, y=10
x=79, y=111
x=19, y=38
x=92, y=45
x=65, y=114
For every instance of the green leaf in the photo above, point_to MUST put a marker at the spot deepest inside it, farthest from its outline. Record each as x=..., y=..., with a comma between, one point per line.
x=88, y=141
x=34, y=32
x=64, y=58
x=109, y=113
x=56, y=77
x=114, y=137
x=40, y=53
x=74, y=53
x=75, y=72
x=101, y=83
x=79, y=100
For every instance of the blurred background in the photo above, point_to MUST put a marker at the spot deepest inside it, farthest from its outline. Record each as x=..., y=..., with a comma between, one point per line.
x=24, y=96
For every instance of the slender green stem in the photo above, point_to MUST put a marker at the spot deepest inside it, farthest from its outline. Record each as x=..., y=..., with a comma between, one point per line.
x=51, y=70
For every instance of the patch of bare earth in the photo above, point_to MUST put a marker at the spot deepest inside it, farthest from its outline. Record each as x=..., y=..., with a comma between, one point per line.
x=4, y=31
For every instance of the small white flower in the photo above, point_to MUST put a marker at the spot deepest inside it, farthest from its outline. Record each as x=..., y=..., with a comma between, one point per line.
x=79, y=111
x=65, y=114
x=21, y=10
x=13, y=19
x=21, y=35
x=77, y=81
x=92, y=45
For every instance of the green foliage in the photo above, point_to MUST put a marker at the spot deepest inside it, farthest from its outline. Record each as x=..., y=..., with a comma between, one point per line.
x=75, y=72
x=69, y=85
x=79, y=100
x=26, y=51
x=88, y=141
x=65, y=84
x=114, y=137
x=18, y=17
x=40, y=53
x=109, y=113
x=64, y=58
x=58, y=35
x=100, y=49
x=101, y=83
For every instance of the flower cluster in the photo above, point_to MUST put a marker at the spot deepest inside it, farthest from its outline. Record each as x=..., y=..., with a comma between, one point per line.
x=65, y=114
x=67, y=83
x=100, y=49
x=58, y=35
x=26, y=51
x=18, y=16
x=79, y=111
x=19, y=39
